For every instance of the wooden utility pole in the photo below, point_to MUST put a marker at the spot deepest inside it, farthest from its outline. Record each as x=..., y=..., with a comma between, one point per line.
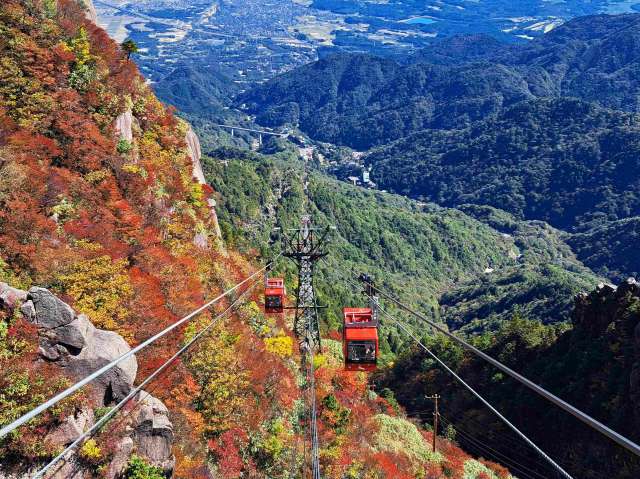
x=436, y=413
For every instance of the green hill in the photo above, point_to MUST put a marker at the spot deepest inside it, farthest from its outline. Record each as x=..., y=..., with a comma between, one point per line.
x=562, y=161
x=363, y=101
x=417, y=251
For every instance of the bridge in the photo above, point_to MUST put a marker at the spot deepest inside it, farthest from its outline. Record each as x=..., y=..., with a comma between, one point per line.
x=260, y=133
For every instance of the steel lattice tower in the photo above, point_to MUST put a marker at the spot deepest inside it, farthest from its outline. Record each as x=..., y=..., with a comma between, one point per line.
x=305, y=249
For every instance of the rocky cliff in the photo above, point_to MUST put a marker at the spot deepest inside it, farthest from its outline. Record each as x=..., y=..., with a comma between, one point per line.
x=72, y=344
x=90, y=9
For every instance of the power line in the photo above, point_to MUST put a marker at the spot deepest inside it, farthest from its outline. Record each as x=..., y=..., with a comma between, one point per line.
x=476, y=394
x=479, y=444
x=72, y=389
x=91, y=431
x=595, y=424
x=511, y=445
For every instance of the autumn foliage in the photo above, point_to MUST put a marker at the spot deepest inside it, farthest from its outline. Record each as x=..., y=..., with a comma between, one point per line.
x=116, y=230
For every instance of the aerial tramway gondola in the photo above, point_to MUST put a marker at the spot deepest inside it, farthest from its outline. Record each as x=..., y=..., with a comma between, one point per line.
x=274, y=294
x=360, y=339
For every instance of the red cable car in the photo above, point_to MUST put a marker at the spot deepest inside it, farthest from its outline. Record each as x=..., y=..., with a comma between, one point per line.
x=274, y=294
x=360, y=339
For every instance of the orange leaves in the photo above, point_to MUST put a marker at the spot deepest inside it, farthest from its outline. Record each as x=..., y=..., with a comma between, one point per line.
x=34, y=145
x=85, y=148
x=22, y=232
x=389, y=466
x=226, y=450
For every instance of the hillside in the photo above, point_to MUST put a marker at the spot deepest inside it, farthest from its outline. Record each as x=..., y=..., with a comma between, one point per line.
x=426, y=255
x=609, y=248
x=363, y=101
x=562, y=161
x=546, y=130
x=99, y=204
x=196, y=91
x=592, y=366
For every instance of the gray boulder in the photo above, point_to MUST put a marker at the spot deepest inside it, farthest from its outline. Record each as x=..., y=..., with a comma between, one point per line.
x=71, y=428
x=120, y=459
x=101, y=348
x=50, y=311
x=153, y=432
x=78, y=346
x=11, y=297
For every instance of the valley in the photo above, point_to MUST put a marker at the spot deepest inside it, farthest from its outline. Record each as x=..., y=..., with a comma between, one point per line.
x=252, y=40
x=478, y=161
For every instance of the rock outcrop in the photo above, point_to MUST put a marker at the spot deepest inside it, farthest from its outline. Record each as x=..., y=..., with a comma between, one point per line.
x=153, y=432
x=70, y=341
x=90, y=10
x=194, y=151
x=123, y=126
x=80, y=348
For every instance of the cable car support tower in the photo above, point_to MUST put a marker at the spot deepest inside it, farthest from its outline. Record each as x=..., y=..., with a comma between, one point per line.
x=305, y=246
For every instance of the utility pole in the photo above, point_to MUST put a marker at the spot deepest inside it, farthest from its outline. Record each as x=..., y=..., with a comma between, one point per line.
x=436, y=413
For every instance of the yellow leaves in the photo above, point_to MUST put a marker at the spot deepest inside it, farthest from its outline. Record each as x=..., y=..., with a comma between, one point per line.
x=87, y=245
x=196, y=196
x=101, y=289
x=215, y=367
x=23, y=96
x=81, y=47
x=280, y=345
x=97, y=176
x=319, y=360
x=135, y=170
x=90, y=451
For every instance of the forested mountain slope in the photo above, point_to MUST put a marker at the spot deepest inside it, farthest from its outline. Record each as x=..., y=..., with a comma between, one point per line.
x=363, y=101
x=191, y=90
x=593, y=366
x=487, y=268
x=559, y=160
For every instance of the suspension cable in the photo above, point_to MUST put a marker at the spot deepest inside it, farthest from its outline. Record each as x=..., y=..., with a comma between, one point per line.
x=477, y=395
x=315, y=456
x=91, y=431
x=485, y=448
x=512, y=444
x=582, y=416
x=72, y=389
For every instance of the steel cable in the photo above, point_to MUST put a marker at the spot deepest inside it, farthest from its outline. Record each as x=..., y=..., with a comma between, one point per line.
x=92, y=430
x=72, y=389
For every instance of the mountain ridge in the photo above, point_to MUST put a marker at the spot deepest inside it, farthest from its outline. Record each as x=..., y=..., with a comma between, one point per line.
x=374, y=112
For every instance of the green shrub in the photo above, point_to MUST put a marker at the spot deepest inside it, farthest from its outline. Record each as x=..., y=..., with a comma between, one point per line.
x=398, y=435
x=124, y=146
x=138, y=468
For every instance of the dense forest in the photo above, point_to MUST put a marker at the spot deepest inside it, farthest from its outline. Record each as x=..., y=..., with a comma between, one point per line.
x=363, y=101
x=545, y=130
x=481, y=265
x=563, y=161
x=593, y=365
